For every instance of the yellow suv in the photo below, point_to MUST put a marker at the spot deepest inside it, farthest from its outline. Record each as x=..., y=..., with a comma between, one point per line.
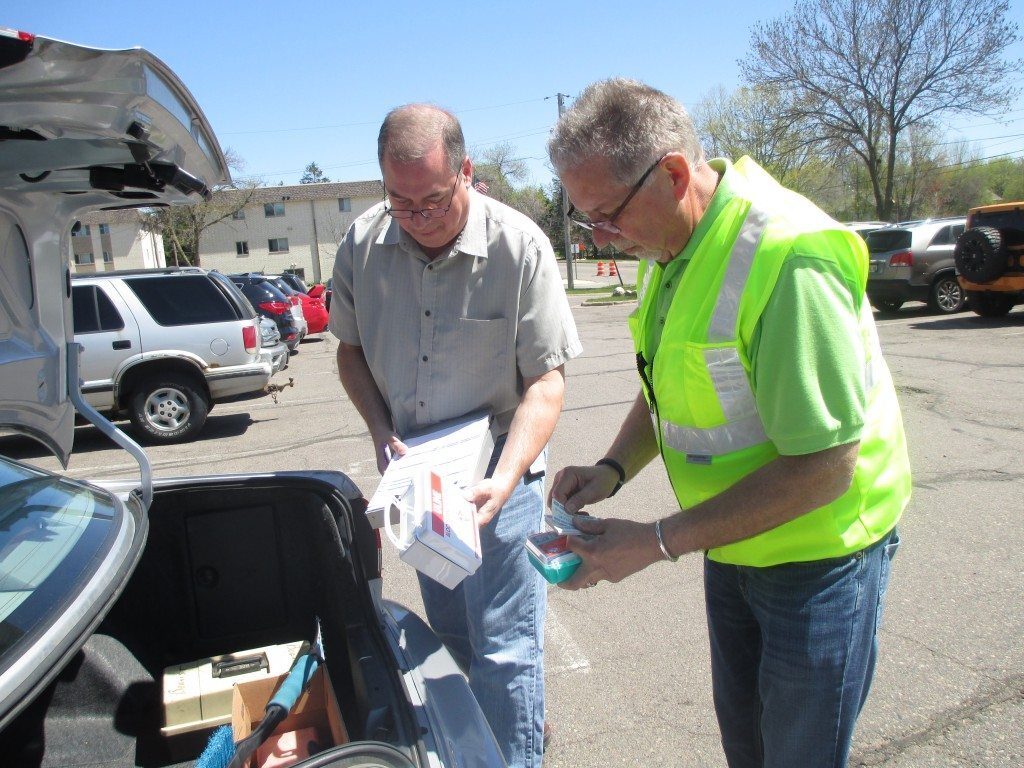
x=989, y=258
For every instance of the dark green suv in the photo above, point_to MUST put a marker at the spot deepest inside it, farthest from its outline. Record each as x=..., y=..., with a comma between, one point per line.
x=989, y=258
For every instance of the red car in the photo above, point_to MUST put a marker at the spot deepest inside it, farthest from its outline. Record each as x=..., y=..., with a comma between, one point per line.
x=313, y=309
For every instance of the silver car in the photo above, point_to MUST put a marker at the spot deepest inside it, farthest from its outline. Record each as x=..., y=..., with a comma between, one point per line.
x=111, y=596
x=913, y=261
x=273, y=350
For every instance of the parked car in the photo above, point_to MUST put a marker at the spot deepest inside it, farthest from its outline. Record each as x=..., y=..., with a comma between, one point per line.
x=313, y=309
x=913, y=261
x=272, y=349
x=106, y=587
x=295, y=282
x=990, y=258
x=864, y=228
x=323, y=291
x=269, y=301
x=163, y=346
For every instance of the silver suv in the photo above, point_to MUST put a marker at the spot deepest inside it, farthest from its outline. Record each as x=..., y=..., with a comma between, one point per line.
x=913, y=261
x=162, y=346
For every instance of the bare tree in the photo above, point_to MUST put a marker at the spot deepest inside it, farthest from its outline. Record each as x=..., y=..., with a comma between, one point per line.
x=751, y=121
x=856, y=74
x=182, y=226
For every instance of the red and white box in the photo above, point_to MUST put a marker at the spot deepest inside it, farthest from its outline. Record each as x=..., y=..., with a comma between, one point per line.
x=438, y=533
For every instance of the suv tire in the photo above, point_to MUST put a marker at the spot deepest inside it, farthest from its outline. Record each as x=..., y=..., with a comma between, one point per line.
x=887, y=305
x=166, y=409
x=946, y=295
x=990, y=304
x=980, y=254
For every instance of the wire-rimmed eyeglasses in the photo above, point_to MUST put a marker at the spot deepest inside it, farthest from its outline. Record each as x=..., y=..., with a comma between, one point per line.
x=608, y=225
x=426, y=213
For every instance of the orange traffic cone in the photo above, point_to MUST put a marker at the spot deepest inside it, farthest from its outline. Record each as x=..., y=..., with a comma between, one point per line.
x=600, y=269
x=613, y=270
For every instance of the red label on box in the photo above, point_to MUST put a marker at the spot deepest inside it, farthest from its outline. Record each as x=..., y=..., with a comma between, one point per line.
x=436, y=504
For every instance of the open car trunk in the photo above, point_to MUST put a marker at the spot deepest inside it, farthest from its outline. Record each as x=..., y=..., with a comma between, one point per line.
x=228, y=566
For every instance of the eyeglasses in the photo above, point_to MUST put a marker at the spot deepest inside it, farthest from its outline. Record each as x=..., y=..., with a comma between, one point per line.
x=426, y=213
x=607, y=225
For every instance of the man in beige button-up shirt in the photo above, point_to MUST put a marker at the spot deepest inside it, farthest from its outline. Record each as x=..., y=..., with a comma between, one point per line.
x=447, y=302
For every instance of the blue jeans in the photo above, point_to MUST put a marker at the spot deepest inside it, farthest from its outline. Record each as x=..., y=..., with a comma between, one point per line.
x=793, y=650
x=493, y=625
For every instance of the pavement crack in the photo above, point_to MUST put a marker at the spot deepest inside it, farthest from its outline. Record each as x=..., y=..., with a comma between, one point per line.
x=946, y=722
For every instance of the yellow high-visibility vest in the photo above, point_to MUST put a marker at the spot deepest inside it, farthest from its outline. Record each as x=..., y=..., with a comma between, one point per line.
x=697, y=379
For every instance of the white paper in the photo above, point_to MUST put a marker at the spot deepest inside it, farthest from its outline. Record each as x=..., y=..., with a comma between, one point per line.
x=458, y=450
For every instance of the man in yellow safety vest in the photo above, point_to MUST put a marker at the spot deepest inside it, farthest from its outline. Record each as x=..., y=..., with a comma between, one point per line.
x=764, y=391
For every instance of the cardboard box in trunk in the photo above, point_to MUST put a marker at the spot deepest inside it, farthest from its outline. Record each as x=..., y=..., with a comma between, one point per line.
x=317, y=709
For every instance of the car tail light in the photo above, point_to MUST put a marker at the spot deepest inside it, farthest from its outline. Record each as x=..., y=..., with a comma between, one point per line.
x=275, y=307
x=902, y=259
x=25, y=37
x=249, y=339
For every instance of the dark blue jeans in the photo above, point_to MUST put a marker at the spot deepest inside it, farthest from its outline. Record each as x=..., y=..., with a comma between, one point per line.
x=793, y=650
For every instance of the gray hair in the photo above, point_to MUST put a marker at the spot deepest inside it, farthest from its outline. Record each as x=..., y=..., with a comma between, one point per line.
x=411, y=131
x=628, y=123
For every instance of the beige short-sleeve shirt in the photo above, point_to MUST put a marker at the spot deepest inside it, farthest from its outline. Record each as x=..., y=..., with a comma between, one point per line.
x=457, y=334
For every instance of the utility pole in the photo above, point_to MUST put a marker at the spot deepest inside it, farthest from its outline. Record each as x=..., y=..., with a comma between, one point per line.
x=570, y=268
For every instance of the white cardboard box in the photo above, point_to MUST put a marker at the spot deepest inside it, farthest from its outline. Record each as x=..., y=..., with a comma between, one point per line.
x=438, y=532
x=458, y=449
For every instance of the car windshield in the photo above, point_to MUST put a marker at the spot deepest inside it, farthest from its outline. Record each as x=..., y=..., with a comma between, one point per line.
x=883, y=240
x=53, y=534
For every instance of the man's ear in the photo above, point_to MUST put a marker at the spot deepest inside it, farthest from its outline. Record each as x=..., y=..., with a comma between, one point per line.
x=467, y=169
x=678, y=169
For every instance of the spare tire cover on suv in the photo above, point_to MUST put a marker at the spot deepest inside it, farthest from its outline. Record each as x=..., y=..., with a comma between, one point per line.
x=980, y=254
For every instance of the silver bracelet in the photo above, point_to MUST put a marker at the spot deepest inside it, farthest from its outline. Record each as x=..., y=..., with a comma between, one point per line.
x=661, y=543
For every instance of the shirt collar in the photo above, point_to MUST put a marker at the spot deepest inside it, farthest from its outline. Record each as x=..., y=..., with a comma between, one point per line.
x=724, y=192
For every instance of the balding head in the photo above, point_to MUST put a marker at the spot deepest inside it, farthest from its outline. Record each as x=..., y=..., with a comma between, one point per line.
x=411, y=131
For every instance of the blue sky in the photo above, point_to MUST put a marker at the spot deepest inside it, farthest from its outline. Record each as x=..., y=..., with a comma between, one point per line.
x=288, y=83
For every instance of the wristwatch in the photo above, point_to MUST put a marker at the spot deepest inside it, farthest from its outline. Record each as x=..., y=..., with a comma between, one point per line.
x=618, y=468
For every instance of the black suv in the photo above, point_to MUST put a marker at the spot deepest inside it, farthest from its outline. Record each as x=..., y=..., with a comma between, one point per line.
x=990, y=258
x=270, y=302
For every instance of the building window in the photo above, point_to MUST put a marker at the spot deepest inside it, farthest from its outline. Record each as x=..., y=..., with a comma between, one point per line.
x=271, y=210
x=242, y=247
x=81, y=231
x=104, y=229
x=239, y=214
x=83, y=258
x=107, y=257
x=278, y=244
x=344, y=204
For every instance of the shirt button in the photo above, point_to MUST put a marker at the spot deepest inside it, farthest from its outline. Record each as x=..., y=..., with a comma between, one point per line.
x=668, y=283
x=661, y=321
x=422, y=404
x=427, y=313
x=430, y=267
x=425, y=357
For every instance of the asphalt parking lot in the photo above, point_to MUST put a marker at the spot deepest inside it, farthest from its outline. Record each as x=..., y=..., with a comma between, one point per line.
x=628, y=675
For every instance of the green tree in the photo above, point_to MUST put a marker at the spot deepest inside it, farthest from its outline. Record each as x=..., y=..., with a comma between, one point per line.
x=313, y=175
x=855, y=75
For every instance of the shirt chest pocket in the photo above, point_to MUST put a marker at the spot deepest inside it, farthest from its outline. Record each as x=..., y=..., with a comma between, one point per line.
x=479, y=348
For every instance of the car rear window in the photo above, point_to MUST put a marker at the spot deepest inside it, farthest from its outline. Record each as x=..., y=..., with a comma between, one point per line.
x=183, y=299
x=54, y=533
x=883, y=240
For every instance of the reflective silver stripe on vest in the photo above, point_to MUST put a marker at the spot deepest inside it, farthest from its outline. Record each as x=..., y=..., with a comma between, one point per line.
x=727, y=308
x=743, y=427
